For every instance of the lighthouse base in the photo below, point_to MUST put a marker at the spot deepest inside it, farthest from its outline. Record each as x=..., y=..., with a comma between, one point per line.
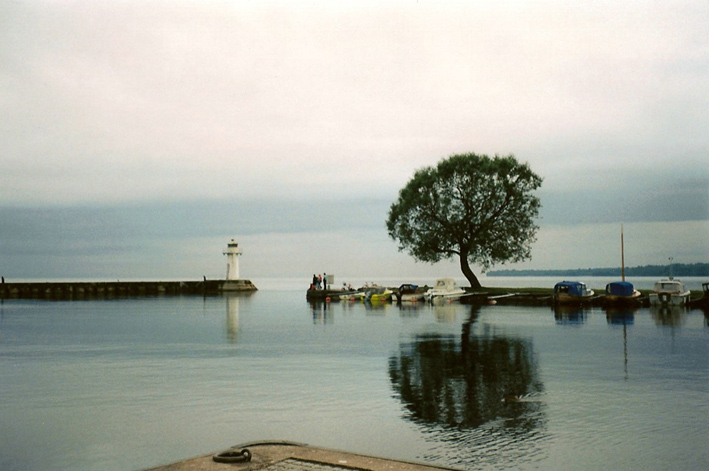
x=237, y=285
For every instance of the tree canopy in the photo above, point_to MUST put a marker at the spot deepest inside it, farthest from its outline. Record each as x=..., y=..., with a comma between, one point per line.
x=477, y=208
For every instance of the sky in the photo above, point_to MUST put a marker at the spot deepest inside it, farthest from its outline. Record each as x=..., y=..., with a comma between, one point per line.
x=138, y=137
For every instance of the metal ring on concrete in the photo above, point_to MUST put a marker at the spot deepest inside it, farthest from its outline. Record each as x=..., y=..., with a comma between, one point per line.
x=233, y=456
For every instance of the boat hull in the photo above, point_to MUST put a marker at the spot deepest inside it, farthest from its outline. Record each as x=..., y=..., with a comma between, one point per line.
x=669, y=299
x=411, y=298
x=620, y=299
x=445, y=297
x=563, y=298
x=381, y=297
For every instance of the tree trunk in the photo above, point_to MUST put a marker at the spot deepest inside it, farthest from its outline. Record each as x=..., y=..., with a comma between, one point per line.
x=465, y=268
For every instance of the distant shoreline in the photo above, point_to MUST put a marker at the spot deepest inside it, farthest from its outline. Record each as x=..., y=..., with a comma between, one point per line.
x=678, y=269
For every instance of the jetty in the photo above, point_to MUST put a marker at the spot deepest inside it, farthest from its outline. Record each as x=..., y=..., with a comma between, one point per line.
x=74, y=290
x=290, y=456
x=70, y=290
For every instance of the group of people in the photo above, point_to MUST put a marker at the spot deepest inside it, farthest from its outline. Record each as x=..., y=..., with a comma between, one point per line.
x=319, y=282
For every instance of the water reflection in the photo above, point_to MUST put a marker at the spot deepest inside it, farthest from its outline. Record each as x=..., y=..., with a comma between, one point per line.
x=445, y=312
x=376, y=308
x=623, y=317
x=474, y=392
x=410, y=309
x=322, y=312
x=671, y=316
x=571, y=315
x=233, y=301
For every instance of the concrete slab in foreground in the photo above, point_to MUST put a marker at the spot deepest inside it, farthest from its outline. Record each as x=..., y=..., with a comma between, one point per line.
x=288, y=456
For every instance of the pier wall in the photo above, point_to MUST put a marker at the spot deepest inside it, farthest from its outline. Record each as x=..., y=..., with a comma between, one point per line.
x=117, y=289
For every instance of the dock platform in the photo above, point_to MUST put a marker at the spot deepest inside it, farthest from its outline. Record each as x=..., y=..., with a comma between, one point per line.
x=289, y=456
x=71, y=290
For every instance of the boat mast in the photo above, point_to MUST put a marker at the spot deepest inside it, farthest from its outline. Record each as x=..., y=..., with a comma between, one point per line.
x=622, y=255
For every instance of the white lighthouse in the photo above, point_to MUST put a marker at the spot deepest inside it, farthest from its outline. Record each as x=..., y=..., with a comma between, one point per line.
x=232, y=253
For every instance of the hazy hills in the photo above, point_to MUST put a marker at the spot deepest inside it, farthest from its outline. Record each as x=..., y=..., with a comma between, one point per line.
x=678, y=269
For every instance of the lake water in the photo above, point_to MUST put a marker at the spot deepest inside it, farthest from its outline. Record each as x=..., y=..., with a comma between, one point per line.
x=134, y=383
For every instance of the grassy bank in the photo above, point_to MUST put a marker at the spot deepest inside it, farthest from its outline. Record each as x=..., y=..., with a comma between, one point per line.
x=549, y=291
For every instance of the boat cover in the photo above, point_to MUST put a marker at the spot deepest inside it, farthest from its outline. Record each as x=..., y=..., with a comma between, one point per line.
x=620, y=288
x=573, y=288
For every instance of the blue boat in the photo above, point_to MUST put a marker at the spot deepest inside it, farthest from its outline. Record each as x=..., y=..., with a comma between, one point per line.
x=567, y=292
x=621, y=292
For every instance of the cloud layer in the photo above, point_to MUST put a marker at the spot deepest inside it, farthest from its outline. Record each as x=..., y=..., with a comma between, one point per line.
x=126, y=122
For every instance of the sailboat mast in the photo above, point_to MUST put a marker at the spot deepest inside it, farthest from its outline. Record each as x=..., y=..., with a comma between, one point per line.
x=622, y=255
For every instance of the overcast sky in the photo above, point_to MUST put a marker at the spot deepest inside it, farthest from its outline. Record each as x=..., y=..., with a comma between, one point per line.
x=137, y=138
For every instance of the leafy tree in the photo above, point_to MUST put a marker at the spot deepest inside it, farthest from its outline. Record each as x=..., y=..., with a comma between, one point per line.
x=473, y=207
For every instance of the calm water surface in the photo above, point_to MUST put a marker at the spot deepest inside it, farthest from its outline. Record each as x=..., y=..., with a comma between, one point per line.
x=133, y=383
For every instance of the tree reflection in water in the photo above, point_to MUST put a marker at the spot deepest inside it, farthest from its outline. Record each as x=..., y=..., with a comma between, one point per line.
x=476, y=396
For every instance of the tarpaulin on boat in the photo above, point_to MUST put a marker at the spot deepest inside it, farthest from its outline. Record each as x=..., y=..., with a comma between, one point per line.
x=572, y=288
x=620, y=288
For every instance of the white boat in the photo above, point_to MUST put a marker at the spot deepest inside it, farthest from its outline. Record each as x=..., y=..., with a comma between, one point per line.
x=445, y=289
x=669, y=292
x=352, y=295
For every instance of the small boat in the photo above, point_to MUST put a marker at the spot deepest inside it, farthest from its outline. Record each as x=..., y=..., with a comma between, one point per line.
x=445, y=289
x=621, y=292
x=351, y=295
x=703, y=302
x=567, y=292
x=408, y=293
x=669, y=292
x=378, y=294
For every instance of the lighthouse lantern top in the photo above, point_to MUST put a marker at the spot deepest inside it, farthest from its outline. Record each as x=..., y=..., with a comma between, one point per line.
x=232, y=248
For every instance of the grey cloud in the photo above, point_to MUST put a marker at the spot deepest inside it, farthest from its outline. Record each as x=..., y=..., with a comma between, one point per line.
x=651, y=199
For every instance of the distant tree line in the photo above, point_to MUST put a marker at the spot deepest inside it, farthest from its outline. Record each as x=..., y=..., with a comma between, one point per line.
x=678, y=269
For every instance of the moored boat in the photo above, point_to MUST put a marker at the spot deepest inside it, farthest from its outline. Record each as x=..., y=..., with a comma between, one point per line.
x=703, y=302
x=351, y=295
x=568, y=292
x=621, y=292
x=408, y=293
x=445, y=289
x=378, y=294
x=669, y=292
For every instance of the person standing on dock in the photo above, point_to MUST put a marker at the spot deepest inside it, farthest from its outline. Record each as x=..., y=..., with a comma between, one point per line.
x=319, y=281
x=324, y=281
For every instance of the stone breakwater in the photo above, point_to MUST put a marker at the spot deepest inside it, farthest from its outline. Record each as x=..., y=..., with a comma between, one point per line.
x=117, y=289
